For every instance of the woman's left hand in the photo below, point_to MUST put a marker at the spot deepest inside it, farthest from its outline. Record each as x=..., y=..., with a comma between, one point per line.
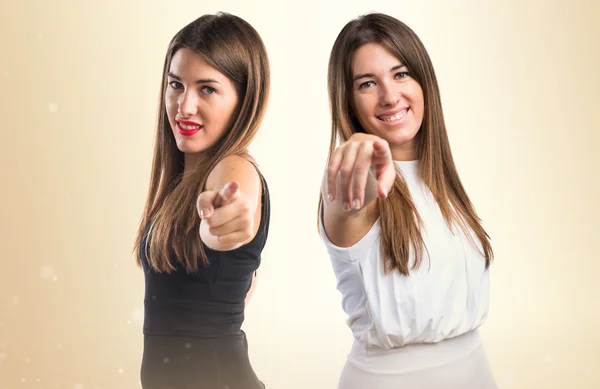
x=227, y=215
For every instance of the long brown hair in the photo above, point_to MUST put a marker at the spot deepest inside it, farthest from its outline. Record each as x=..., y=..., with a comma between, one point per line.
x=436, y=165
x=233, y=47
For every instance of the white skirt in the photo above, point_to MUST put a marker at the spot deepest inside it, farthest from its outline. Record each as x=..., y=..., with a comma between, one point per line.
x=457, y=363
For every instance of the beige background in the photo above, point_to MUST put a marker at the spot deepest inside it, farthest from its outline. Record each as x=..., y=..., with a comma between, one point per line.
x=79, y=85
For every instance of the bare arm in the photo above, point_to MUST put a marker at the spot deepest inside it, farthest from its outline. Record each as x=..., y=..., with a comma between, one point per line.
x=360, y=171
x=230, y=205
x=345, y=228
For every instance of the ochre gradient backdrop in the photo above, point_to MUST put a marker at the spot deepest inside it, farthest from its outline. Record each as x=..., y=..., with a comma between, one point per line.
x=79, y=86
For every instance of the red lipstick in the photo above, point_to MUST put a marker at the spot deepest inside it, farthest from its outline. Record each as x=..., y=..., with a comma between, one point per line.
x=188, y=131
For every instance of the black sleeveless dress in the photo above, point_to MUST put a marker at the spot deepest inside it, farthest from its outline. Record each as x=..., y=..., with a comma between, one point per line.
x=192, y=323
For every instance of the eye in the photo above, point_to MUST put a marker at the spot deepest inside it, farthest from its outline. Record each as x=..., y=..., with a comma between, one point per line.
x=402, y=75
x=208, y=90
x=366, y=84
x=175, y=85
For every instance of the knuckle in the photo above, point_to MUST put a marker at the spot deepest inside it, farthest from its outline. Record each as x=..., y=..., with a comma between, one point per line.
x=345, y=172
x=353, y=145
x=245, y=206
x=356, y=136
x=361, y=168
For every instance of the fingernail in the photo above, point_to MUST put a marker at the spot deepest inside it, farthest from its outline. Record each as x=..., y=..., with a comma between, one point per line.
x=204, y=212
x=356, y=204
x=329, y=197
x=346, y=206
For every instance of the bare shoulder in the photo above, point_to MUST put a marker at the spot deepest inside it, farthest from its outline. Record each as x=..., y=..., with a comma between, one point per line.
x=235, y=168
x=241, y=170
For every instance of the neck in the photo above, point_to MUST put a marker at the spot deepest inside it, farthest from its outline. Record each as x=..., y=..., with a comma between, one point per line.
x=404, y=152
x=189, y=161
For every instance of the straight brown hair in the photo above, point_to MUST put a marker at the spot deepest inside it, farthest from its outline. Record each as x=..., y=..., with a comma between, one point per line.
x=436, y=165
x=170, y=220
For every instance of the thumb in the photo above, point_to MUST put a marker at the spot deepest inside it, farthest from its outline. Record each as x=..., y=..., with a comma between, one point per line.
x=204, y=204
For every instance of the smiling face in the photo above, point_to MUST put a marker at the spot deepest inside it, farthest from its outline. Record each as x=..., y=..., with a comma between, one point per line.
x=200, y=103
x=386, y=100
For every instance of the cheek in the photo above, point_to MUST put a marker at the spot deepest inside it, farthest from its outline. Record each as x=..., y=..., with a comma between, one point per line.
x=170, y=106
x=227, y=112
x=421, y=108
x=417, y=103
x=363, y=107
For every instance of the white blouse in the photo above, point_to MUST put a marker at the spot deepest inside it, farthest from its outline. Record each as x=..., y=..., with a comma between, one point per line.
x=447, y=296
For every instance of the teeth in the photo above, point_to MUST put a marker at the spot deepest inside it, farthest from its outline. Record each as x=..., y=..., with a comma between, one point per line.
x=394, y=118
x=189, y=127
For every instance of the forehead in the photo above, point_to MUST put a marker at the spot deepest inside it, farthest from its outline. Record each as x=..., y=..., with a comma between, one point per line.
x=188, y=63
x=373, y=58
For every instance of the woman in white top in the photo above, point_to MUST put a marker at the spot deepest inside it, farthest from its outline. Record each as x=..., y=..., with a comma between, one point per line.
x=408, y=250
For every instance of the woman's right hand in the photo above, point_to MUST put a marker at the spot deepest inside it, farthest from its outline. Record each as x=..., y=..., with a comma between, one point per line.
x=351, y=164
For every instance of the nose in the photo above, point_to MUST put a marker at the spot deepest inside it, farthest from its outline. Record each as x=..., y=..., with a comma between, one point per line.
x=187, y=103
x=389, y=95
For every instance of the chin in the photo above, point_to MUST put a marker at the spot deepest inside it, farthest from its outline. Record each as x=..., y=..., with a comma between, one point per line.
x=398, y=136
x=187, y=148
x=403, y=138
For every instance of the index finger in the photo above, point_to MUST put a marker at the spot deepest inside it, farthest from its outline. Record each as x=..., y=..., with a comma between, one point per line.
x=382, y=156
x=228, y=192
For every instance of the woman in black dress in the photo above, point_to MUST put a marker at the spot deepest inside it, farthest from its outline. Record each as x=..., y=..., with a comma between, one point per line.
x=206, y=218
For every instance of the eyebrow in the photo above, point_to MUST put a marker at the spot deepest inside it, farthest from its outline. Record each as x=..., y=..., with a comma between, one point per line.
x=369, y=75
x=201, y=81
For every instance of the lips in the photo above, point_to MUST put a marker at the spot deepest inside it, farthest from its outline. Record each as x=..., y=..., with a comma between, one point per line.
x=393, y=117
x=187, y=128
